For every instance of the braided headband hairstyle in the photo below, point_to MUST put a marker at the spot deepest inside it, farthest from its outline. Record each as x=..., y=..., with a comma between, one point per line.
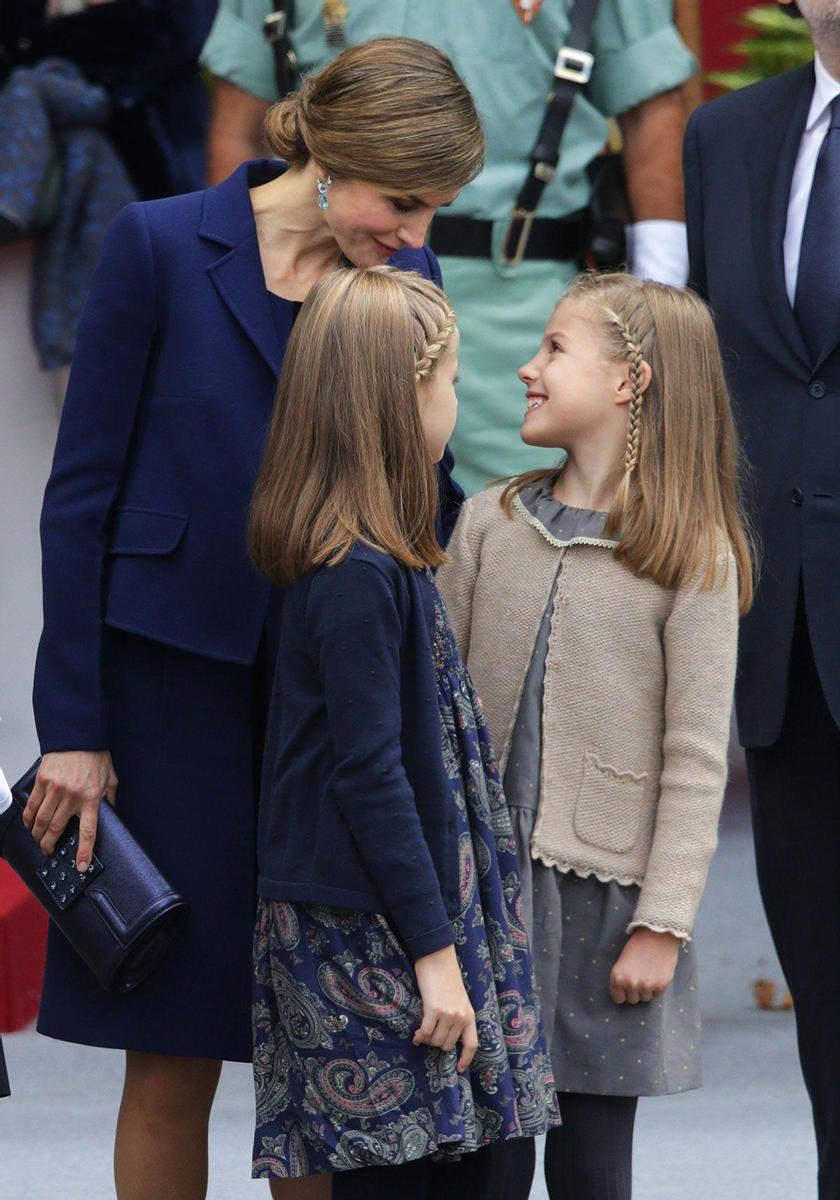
x=433, y=324
x=346, y=458
x=633, y=352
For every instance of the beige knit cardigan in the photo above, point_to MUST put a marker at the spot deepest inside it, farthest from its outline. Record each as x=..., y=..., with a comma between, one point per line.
x=636, y=702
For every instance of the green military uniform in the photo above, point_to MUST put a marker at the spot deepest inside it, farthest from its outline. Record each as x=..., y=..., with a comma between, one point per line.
x=508, y=68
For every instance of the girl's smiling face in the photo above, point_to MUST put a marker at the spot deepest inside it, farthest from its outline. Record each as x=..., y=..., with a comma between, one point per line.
x=574, y=389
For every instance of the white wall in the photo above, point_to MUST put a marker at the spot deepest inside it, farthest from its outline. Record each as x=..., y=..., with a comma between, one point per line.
x=28, y=423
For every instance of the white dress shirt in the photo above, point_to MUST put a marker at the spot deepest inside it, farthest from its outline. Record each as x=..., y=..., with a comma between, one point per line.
x=826, y=89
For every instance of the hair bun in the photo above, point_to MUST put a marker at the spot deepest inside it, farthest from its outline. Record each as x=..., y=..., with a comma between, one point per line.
x=284, y=128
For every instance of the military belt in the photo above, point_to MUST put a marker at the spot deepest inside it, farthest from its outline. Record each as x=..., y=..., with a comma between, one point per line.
x=557, y=238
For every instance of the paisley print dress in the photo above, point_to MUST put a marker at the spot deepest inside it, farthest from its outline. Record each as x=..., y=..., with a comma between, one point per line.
x=339, y=1083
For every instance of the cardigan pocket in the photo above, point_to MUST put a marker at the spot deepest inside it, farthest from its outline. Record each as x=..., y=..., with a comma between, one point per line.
x=608, y=807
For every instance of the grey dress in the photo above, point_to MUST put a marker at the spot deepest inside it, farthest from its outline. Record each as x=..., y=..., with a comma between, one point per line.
x=578, y=925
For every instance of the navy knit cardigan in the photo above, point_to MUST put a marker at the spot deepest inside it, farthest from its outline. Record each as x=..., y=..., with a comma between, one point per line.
x=356, y=808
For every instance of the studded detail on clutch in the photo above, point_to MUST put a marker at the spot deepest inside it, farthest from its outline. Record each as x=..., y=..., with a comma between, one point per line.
x=58, y=871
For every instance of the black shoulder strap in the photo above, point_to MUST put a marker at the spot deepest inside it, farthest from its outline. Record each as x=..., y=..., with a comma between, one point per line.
x=276, y=32
x=572, y=71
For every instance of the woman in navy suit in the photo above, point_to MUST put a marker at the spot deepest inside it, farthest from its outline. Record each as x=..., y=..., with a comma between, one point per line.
x=156, y=655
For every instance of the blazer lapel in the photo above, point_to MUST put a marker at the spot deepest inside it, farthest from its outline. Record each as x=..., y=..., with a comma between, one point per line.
x=237, y=274
x=771, y=161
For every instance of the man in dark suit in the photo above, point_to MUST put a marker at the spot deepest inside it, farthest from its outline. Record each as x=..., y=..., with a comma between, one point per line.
x=763, y=196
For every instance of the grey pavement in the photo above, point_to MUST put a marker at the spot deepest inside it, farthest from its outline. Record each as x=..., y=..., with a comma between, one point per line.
x=745, y=1135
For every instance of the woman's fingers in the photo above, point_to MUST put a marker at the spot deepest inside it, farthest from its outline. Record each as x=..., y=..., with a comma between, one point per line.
x=56, y=824
x=110, y=789
x=36, y=798
x=88, y=822
x=45, y=812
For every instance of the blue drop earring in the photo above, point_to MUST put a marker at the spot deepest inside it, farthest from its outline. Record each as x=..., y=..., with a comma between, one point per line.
x=323, y=187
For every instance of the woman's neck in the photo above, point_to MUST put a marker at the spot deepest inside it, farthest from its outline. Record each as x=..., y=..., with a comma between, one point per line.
x=587, y=481
x=296, y=244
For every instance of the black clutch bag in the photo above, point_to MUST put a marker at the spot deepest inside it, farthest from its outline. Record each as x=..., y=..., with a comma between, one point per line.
x=120, y=915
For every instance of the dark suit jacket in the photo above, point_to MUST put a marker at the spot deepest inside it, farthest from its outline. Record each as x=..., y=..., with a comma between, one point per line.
x=172, y=386
x=740, y=154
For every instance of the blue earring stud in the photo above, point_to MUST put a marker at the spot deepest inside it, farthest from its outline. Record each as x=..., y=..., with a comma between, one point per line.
x=324, y=186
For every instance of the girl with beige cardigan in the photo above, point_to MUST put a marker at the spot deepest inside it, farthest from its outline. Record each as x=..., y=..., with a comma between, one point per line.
x=596, y=605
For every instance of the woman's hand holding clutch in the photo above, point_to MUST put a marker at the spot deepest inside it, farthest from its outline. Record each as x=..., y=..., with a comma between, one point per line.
x=70, y=783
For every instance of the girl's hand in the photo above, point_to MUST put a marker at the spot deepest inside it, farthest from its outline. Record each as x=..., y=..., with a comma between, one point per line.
x=645, y=966
x=70, y=783
x=448, y=1016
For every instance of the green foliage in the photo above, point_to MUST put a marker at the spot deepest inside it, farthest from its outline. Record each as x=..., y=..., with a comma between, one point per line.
x=776, y=44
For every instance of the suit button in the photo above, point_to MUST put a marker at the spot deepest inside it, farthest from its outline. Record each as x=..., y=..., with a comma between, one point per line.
x=796, y=497
x=817, y=390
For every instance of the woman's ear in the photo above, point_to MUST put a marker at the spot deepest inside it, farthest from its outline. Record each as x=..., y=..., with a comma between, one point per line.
x=624, y=392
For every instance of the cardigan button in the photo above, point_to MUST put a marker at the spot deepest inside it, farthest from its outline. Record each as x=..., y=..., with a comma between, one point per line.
x=796, y=497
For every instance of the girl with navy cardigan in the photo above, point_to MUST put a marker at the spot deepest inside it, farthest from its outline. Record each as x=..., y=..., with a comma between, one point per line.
x=396, y=1031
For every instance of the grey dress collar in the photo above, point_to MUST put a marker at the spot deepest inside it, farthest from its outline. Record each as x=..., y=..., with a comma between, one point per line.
x=560, y=524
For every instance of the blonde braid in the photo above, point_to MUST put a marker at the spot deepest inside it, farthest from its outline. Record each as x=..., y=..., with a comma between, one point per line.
x=634, y=417
x=432, y=349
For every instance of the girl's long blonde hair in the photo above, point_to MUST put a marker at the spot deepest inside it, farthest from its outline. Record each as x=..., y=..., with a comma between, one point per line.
x=679, y=489
x=346, y=459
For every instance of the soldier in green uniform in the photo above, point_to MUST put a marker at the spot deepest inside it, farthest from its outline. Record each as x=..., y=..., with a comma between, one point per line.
x=505, y=50
x=506, y=55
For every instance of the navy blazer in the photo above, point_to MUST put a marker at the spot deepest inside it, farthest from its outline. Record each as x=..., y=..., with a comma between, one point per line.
x=740, y=154
x=171, y=391
x=356, y=809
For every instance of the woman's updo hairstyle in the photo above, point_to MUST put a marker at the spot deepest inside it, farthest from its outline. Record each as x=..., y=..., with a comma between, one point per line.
x=392, y=112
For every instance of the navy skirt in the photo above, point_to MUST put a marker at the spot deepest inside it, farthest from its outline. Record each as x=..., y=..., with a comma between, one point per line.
x=186, y=737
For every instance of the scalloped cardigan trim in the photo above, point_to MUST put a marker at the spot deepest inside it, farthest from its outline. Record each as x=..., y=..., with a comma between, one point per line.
x=636, y=701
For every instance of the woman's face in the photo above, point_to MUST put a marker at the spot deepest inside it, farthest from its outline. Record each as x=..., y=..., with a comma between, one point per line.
x=438, y=402
x=370, y=224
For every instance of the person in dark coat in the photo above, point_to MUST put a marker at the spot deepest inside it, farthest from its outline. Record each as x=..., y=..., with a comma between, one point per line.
x=762, y=173
x=145, y=54
x=157, y=651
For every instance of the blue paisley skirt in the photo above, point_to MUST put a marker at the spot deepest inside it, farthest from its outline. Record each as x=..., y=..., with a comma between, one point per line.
x=339, y=1083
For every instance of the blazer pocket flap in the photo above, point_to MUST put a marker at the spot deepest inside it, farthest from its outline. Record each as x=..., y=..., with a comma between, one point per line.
x=608, y=809
x=145, y=531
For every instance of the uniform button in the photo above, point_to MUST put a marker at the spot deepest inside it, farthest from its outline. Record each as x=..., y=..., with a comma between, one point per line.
x=817, y=390
x=796, y=497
